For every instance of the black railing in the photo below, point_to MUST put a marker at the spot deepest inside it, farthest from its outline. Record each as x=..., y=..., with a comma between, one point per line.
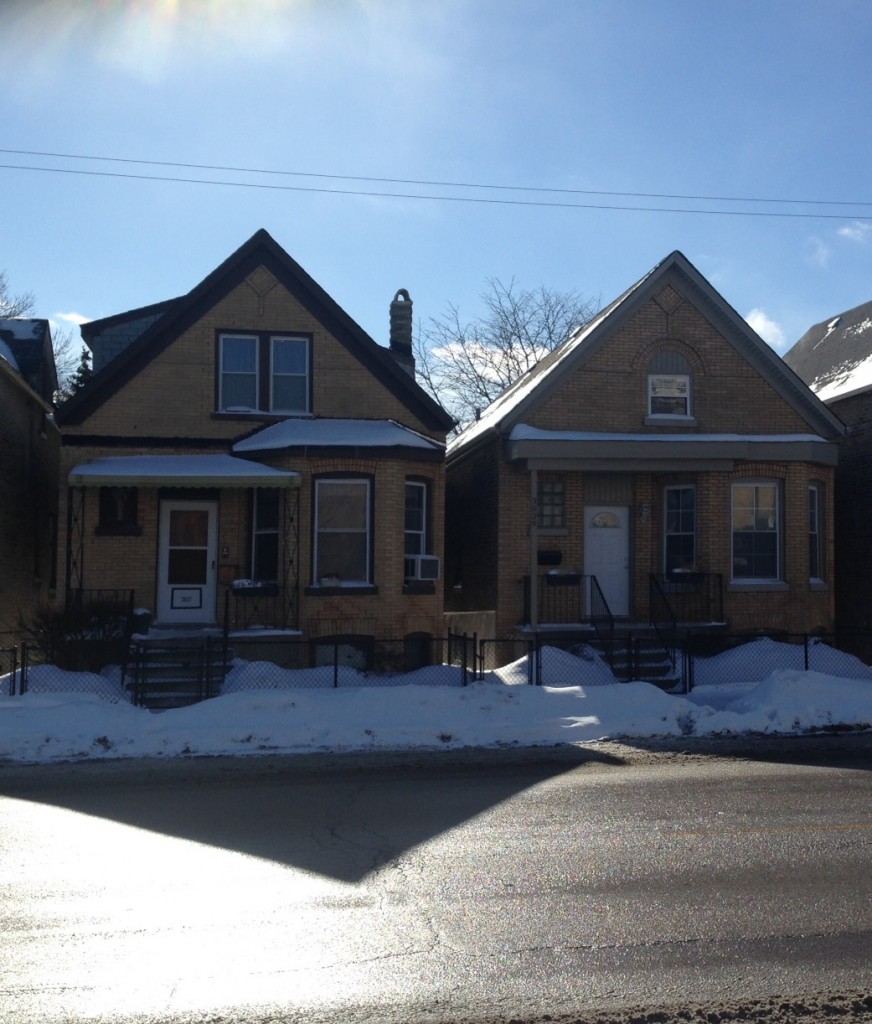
x=562, y=598
x=693, y=597
x=662, y=617
x=602, y=619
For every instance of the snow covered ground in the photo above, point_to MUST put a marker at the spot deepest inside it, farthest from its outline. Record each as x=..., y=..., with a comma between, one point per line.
x=80, y=716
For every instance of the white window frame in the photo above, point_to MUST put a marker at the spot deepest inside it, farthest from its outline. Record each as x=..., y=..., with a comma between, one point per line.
x=274, y=407
x=776, y=529
x=366, y=530
x=264, y=374
x=678, y=533
x=222, y=405
x=676, y=379
x=419, y=535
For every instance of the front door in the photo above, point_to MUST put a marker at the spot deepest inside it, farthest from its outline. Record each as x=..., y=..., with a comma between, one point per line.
x=187, y=550
x=607, y=553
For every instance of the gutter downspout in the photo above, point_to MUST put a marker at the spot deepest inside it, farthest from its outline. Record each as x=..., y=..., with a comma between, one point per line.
x=534, y=549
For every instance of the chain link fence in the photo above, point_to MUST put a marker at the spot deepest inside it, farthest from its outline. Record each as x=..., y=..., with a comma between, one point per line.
x=169, y=672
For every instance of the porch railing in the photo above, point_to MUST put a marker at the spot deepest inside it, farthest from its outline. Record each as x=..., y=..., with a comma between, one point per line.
x=603, y=621
x=692, y=596
x=662, y=618
x=562, y=598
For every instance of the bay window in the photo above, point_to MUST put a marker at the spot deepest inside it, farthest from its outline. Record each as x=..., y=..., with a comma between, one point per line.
x=342, y=532
x=756, y=531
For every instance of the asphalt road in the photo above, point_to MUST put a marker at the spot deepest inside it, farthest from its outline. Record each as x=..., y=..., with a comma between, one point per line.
x=605, y=884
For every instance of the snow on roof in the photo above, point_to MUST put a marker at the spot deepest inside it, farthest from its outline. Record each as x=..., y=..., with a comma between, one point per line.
x=193, y=470
x=839, y=382
x=24, y=328
x=523, y=432
x=310, y=433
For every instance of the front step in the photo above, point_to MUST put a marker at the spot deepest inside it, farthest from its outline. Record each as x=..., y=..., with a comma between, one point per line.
x=175, y=672
x=641, y=657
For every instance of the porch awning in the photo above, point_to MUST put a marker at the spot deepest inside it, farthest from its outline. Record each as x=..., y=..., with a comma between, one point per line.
x=180, y=471
x=588, y=450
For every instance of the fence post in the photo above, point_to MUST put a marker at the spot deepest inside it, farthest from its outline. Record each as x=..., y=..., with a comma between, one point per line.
x=335, y=665
x=22, y=678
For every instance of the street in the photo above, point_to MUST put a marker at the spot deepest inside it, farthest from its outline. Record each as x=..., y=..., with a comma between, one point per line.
x=274, y=889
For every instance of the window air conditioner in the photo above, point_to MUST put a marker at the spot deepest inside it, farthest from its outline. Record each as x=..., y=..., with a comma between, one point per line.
x=422, y=567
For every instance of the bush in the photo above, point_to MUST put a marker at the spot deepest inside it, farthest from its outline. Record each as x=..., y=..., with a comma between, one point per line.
x=85, y=636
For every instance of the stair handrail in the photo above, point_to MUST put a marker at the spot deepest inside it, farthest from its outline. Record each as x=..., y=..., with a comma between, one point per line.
x=602, y=620
x=663, y=620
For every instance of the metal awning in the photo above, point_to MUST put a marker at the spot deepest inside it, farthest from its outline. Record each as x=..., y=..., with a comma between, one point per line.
x=180, y=471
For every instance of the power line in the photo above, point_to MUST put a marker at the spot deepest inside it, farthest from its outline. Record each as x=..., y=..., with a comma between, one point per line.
x=436, y=184
x=448, y=198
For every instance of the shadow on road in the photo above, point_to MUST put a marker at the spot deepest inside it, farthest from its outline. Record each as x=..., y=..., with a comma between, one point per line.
x=342, y=817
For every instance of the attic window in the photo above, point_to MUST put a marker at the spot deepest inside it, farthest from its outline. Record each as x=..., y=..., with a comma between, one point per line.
x=263, y=372
x=669, y=392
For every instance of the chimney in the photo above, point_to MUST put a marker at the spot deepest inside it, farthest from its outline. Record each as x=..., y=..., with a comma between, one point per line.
x=401, y=331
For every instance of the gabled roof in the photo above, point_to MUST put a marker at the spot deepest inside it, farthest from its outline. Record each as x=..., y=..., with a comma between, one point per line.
x=28, y=341
x=835, y=356
x=534, y=387
x=260, y=250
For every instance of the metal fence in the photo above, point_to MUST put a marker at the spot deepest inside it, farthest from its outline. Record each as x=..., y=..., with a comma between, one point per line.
x=166, y=673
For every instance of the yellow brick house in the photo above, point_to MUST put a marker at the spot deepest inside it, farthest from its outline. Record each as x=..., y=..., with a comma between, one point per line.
x=662, y=464
x=247, y=450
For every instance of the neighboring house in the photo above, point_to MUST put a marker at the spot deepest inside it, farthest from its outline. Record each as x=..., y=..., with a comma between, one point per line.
x=28, y=473
x=248, y=447
x=835, y=359
x=662, y=461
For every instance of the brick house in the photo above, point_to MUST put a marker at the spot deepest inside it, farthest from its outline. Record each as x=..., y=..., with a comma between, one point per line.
x=662, y=461
x=834, y=358
x=248, y=448
x=28, y=472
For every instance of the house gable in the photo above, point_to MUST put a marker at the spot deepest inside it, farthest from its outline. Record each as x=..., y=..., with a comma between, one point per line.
x=259, y=287
x=598, y=379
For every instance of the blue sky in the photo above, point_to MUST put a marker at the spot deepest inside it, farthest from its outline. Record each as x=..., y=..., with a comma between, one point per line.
x=692, y=98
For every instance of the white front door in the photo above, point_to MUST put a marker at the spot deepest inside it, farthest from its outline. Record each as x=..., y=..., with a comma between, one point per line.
x=187, y=552
x=607, y=553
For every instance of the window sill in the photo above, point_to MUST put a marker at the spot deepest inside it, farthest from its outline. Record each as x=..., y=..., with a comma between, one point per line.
x=818, y=584
x=757, y=586
x=349, y=590
x=664, y=420
x=117, y=531
x=552, y=531
x=419, y=587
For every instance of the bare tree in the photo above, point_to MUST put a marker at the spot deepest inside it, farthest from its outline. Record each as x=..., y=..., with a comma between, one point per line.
x=71, y=363
x=466, y=364
x=11, y=305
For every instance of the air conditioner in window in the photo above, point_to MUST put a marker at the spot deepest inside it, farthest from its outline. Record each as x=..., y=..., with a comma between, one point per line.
x=422, y=567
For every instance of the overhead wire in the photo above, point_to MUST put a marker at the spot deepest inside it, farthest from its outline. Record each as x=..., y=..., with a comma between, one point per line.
x=436, y=184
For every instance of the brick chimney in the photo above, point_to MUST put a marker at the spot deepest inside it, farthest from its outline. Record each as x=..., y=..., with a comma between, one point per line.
x=401, y=331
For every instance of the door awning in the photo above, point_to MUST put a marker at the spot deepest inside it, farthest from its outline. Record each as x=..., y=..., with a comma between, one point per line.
x=180, y=471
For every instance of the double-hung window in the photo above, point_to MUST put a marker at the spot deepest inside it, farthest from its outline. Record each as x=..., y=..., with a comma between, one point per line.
x=265, y=534
x=756, y=531
x=669, y=392
x=416, y=518
x=679, y=531
x=264, y=372
x=343, y=520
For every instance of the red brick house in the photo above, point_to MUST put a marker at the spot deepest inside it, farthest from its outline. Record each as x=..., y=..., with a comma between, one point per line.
x=662, y=461
x=28, y=472
x=250, y=439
